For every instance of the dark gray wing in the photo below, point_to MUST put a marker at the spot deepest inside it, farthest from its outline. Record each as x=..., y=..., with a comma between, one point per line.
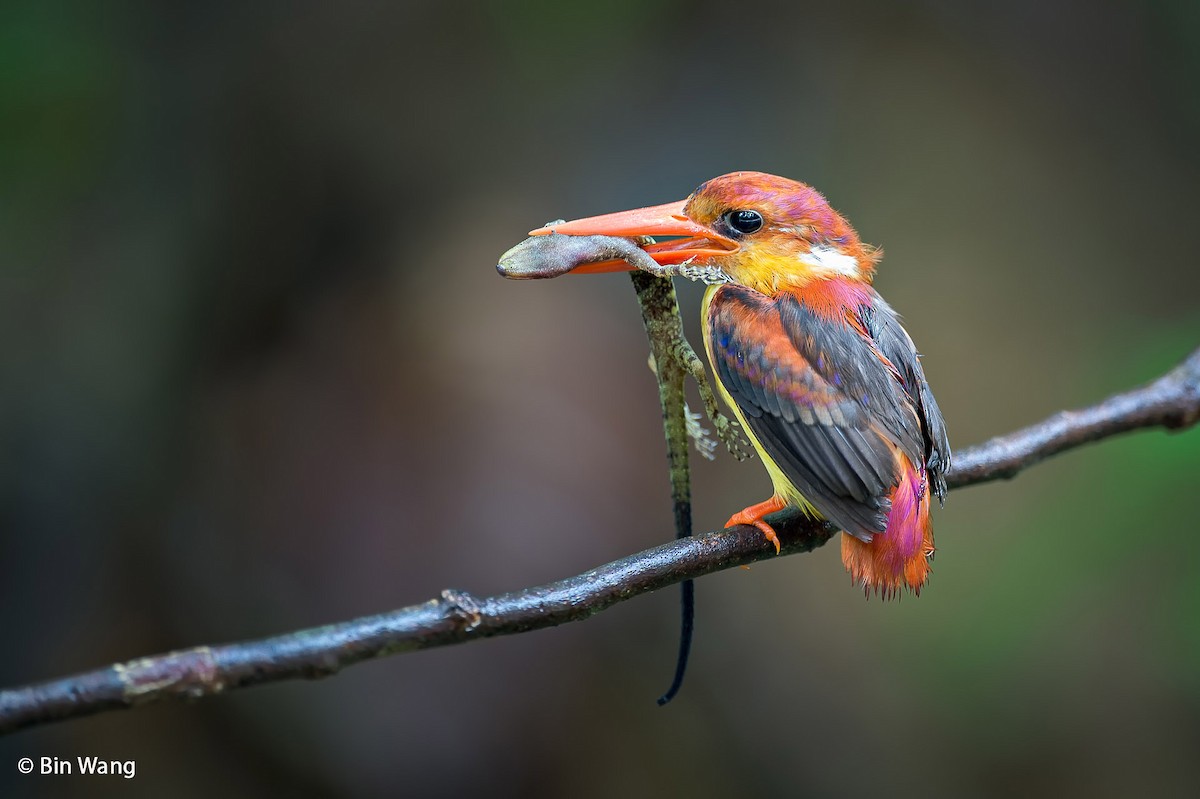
x=820, y=399
x=883, y=325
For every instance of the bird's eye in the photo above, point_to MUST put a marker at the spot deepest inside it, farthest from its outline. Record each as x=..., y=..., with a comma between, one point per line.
x=744, y=222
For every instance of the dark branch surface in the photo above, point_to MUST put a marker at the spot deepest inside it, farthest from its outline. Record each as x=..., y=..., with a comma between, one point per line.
x=1172, y=402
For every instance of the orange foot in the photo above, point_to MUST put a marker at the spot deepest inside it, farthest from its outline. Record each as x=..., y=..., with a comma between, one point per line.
x=754, y=514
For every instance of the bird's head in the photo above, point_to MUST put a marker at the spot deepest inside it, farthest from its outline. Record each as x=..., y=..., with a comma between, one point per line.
x=763, y=231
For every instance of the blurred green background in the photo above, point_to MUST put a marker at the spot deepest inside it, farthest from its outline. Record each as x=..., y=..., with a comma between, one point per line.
x=260, y=373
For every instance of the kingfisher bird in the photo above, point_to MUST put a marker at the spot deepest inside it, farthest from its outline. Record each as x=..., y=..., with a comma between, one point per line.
x=827, y=384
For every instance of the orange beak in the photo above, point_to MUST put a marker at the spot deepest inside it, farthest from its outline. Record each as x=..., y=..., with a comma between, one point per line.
x=689, y=240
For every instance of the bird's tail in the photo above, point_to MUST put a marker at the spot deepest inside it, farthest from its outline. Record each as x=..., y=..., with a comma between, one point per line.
x=899, y=557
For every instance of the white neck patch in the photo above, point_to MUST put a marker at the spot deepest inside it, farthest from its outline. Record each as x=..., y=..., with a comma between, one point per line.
x=831, y=260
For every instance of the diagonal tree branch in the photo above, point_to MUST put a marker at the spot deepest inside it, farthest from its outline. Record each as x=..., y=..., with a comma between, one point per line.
x=1172, y=402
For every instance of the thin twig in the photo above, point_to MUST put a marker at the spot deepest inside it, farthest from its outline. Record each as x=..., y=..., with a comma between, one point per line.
x=1172, y=401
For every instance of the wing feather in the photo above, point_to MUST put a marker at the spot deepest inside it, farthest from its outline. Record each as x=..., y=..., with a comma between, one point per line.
x=883, y=325
x=827, y=406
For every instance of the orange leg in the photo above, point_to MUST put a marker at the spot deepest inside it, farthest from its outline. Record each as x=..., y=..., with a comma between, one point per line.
x=754, y=514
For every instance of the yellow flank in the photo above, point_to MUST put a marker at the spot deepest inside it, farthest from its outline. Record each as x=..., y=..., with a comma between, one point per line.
x=783, y=486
